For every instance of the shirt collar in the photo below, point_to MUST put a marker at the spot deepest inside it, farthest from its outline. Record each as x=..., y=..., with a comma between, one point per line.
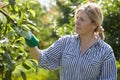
x=99, y=41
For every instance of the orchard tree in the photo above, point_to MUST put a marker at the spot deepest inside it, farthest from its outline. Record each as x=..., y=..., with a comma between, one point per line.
x=16, y=17
x=111, y=9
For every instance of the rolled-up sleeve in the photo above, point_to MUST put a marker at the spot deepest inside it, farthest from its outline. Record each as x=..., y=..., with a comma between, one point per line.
x=50, y=58
x=109, y=70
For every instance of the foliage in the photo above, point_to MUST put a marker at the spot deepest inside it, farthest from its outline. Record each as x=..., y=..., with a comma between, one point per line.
x=111, y=24
x=27, y=15
x=12, y=52
x=118, y=69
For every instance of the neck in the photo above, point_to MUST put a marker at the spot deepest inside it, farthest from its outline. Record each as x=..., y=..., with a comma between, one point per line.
x=88, y=39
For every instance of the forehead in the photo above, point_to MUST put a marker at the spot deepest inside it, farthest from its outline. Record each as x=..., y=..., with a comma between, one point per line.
x=82, y=13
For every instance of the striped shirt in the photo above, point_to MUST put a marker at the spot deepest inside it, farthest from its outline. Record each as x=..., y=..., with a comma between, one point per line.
x=98, y=62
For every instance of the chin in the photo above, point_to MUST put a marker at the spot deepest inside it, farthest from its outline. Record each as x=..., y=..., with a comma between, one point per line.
x=77, y=32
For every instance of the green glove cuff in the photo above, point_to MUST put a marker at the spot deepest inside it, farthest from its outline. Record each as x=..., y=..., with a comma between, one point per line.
x=32, y=41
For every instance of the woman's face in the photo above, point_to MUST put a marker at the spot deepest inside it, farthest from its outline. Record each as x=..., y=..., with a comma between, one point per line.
x=83, y=24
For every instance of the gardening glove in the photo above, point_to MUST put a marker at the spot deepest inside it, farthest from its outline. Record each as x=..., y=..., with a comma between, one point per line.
x=30, y=38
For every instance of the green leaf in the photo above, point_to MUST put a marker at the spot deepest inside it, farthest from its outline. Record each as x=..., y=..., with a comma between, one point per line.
x=31, y=23
x=25, y=27
x=23, y=74
x=8, y=75
x=26, y=66
x=20, y=13
x=12, y=2
x=16, y=8
x=118, y=64
x=1, y=68
x=1, y=51
x=35, y=64
x=32, y=12
x=1, y=17
x=8, y=57
x=32, y=27
x=9, y=61
x=30, y=64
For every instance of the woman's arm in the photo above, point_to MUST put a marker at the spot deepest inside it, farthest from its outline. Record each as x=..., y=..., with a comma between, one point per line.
x=108, y=69
x=35, y=53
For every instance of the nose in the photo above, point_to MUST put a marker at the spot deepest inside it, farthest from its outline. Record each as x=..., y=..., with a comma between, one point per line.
x=77, y=22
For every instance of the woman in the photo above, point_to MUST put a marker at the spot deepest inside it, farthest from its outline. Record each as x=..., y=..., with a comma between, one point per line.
x=84, y=56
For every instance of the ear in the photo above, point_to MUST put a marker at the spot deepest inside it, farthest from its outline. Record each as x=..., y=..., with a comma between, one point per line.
x=95, y=25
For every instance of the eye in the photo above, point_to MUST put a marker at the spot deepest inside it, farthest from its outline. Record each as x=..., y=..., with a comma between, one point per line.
x=82, y=19
x=77, y=17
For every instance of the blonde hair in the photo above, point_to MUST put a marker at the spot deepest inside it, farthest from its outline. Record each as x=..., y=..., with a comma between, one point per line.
x=94, y=12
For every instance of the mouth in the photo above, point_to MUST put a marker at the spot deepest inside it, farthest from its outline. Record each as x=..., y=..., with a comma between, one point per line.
x=77, y=27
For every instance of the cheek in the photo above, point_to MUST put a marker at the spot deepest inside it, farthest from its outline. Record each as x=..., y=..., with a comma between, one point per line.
x=86, y=27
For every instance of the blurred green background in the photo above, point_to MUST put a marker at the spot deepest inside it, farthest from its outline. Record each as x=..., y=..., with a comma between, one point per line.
x=48, y=24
